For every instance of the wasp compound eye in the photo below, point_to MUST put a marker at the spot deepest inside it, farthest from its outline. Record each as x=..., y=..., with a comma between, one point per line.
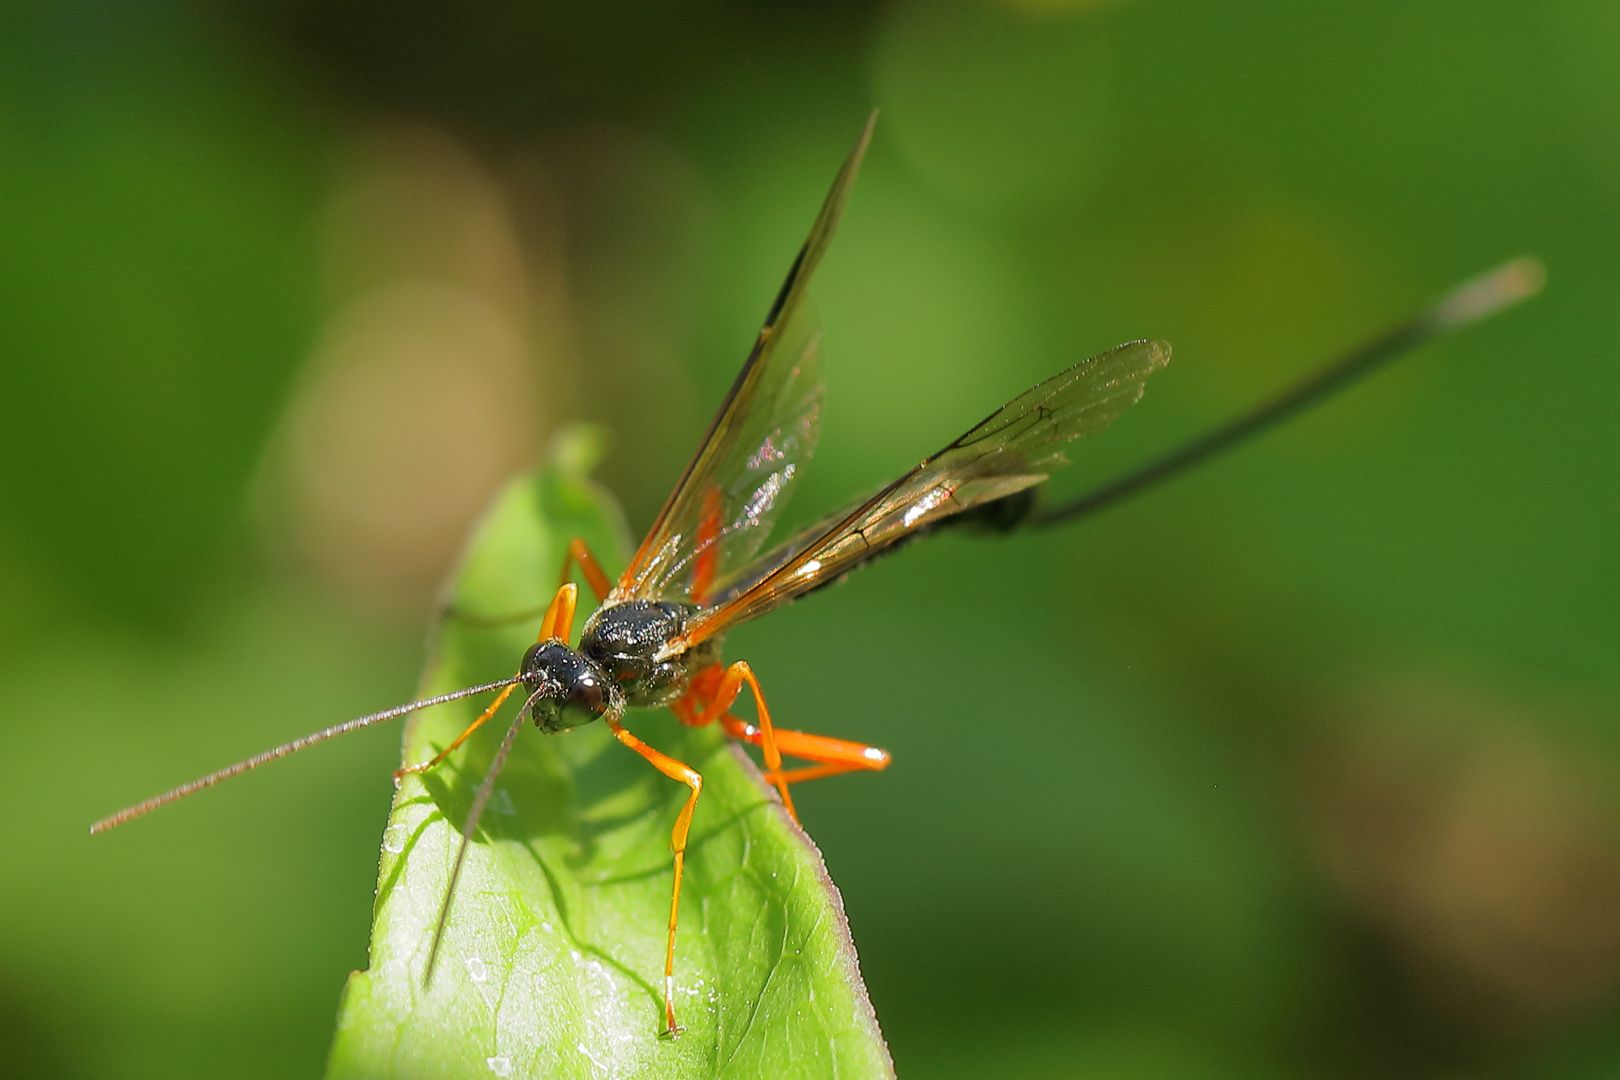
x=569, y=689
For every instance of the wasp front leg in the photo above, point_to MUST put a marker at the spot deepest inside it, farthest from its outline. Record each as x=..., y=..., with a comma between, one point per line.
x=578, y=554
x=557, y=623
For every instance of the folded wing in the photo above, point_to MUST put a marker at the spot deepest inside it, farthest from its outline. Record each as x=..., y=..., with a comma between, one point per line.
x=726, y=501
x=1012, y=449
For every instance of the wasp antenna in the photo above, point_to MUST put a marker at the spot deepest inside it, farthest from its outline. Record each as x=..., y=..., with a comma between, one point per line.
x=485, y=790
x=1467, y=303
x=284, y=749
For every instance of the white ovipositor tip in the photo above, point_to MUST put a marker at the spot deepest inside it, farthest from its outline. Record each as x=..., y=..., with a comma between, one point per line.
x=1485, y=295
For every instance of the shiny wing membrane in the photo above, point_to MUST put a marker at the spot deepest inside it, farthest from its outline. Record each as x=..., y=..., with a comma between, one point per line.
x=723, y=508
x=1010, y=451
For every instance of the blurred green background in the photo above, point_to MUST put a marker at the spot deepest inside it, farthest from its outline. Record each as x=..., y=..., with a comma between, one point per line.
x=1305, y=766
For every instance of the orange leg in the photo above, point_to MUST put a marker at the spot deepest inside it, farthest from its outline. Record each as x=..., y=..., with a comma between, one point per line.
x=689, y=707
x=472, y=727
x=559, y=620
x=834, y=756
x=558, y=623
x=731, y=684
x=689, y=776
x=816, y=772
x=578, y=554
x=594, y=577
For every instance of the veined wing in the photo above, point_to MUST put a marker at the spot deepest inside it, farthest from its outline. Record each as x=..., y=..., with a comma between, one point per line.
x=1009, y=451
x=723, y=508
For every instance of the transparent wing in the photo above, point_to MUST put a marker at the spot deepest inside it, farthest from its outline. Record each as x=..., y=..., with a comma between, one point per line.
x=1009, y=451
x=726, y=501
x=746, y=577
x=727, y=513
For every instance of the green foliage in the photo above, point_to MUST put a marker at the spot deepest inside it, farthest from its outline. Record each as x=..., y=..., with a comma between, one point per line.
x=552, y=963
x=1112, y=844
x=154, y=291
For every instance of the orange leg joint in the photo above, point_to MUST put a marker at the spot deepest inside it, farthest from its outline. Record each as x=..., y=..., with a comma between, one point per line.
x=731, y=684
x=689, y=776
x=701, y=704
x=701, y=689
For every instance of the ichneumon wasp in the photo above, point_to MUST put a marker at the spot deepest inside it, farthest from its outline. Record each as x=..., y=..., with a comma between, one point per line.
x=655, y=638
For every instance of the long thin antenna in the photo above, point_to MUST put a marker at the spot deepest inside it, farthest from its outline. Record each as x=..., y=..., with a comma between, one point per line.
x=485, y=790
x=284, y=749
x=1467, y=303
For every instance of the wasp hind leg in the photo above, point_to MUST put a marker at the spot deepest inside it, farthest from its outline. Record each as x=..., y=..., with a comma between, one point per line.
x=729, y=686
x=833, y=757
x=712, y=693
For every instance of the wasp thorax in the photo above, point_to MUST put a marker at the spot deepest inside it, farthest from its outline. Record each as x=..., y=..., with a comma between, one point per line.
x=626, y=639
x=566, y=689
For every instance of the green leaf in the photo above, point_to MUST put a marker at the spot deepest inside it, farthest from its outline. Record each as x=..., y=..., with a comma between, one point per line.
x=552, y=963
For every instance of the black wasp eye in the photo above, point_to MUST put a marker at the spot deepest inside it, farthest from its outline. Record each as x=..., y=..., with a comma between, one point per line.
x=586, y=696
x=568, y=688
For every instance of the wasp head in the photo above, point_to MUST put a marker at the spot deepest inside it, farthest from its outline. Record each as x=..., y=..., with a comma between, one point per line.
x=565, y=688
